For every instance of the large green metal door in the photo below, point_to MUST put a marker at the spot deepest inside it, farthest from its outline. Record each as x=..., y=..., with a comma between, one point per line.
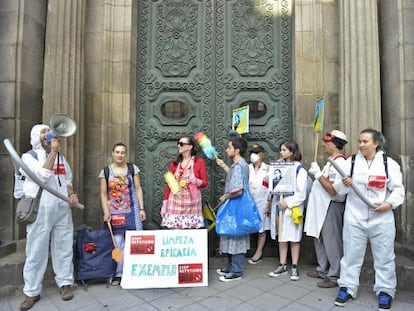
x=197, y=60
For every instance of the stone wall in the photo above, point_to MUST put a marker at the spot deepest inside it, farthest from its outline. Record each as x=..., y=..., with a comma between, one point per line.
x=22, y=36
x=316, y=71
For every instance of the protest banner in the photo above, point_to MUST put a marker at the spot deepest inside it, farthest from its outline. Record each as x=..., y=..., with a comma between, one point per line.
x=165, y=258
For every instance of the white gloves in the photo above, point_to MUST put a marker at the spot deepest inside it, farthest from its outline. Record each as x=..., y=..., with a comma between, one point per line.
x=315, y=170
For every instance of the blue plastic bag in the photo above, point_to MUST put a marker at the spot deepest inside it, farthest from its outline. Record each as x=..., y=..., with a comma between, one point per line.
x=238, y=216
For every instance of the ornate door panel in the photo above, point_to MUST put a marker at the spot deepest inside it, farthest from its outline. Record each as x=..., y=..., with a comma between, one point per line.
x=197, y=60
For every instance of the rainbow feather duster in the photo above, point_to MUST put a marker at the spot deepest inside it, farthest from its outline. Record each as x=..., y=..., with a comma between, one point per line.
x=205, y=144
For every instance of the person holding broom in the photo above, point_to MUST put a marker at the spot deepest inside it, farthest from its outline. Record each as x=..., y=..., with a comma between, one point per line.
x=122, y=199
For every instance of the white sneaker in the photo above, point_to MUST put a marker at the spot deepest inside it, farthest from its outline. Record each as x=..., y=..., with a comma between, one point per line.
x=282, y=269
x=294, y=274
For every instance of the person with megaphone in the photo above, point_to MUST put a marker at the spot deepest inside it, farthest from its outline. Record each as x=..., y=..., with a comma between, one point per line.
x=54, y=219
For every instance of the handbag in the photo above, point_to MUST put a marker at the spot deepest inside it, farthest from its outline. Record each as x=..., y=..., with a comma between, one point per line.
x=238, y=216
x=27, y=209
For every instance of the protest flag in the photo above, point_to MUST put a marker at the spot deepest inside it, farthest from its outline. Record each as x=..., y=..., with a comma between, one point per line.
x=318, y=123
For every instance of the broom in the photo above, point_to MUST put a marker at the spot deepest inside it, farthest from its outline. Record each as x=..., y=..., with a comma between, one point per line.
x=116, y=252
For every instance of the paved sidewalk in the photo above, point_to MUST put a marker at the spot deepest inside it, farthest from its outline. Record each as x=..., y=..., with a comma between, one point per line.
x=257, y=291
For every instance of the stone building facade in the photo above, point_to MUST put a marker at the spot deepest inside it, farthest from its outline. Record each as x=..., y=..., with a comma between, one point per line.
x=80, y=58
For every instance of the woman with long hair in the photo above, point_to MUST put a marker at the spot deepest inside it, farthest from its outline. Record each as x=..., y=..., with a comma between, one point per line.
x=183, y=210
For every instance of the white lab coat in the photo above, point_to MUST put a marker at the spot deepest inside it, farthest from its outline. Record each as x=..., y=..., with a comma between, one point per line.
x=260, y=192
x=319, y=200
x=291, y=232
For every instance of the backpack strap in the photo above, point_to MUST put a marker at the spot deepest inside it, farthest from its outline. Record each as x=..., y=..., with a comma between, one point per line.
x=106, y=173
x=352, y=164
x=131, y=171
x=33, y=153
x=384, y=159
x=298, y=168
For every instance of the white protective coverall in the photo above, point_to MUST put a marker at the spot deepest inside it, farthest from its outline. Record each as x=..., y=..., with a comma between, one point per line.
x=53, y=223
x=362, y=223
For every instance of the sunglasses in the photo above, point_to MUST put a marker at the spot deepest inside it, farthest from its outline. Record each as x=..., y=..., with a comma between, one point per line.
x=180, y=143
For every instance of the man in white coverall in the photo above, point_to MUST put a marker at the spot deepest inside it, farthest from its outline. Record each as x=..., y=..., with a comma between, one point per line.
x=53, y=222
x=379, y=181
x=325, y=212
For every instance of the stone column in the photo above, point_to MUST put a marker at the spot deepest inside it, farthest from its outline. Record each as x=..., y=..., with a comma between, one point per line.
x=360, y=95
x=63, y=75
x=316, y=71
x=110, y=69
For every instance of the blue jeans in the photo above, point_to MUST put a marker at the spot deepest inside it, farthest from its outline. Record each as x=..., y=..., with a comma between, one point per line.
x=236, y=264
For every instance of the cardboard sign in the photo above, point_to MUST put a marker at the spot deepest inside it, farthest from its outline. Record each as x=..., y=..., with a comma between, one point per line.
x=165, y=258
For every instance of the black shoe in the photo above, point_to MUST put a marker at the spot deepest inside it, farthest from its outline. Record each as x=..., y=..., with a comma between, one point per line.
x=282, y=269
x=343, y=297
x=255, y=261
x=229, y=278
x=116, y=281
x=384, y=302
x=222, y=271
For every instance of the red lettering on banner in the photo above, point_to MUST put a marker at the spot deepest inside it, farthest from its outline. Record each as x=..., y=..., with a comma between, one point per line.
x=376, y=182
x=142, y=245
x=190, y=273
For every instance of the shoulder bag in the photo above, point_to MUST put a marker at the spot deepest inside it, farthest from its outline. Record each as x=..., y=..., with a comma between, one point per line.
x=27, y=209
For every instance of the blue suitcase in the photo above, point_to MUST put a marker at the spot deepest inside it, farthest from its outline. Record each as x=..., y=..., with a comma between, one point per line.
x=93, y=256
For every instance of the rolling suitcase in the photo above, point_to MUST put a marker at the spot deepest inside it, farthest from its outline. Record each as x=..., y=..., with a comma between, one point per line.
x=93, y=256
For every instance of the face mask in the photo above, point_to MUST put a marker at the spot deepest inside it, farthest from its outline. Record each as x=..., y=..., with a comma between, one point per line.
x=254, y=157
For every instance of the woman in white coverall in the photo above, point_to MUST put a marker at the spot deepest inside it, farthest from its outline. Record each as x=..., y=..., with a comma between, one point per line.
x=53, y=222
x=363, y=223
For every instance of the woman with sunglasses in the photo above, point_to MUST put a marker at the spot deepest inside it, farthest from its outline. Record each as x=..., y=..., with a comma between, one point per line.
x=183, y=210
